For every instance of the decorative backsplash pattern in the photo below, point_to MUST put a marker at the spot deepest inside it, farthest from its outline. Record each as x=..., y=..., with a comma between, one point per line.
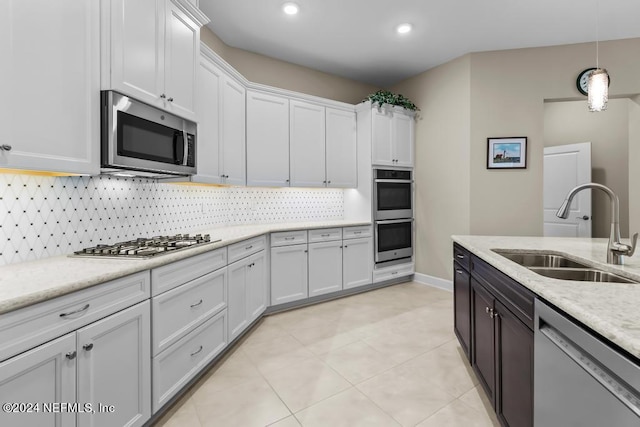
x=47, y=216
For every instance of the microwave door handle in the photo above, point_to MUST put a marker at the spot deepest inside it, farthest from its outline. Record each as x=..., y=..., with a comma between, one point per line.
x=394, y=221
x=185, y=149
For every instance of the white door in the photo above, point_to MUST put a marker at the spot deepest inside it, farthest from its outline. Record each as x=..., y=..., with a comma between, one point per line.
x=237, y=303
x=208, y=105
x=381, y=137
x=307, y=144
x=46, y=374
x=256, y=286
x=182, y=51
x=341, y=147
x=233, y=132
x=402, y=140
x=289, y=270
x=267, y=140
x=114, y=368
x=357, y=262
x=565, y=167
x=325, y=267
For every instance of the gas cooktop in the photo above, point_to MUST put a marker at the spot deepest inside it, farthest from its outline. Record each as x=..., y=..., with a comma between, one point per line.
x=146, y=247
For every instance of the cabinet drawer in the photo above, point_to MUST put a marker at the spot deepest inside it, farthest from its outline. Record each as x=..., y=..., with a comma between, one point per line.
x=181, y=309
x=325, y=234
x=175, y=366
x=288, y=238
x=394, y=272
x=28, y=327
x=246, y=247
x=461, y=256
x=177, y=273
x=357, y=232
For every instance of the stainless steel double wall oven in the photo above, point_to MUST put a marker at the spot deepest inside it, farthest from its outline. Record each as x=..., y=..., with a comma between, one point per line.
x=393, y=215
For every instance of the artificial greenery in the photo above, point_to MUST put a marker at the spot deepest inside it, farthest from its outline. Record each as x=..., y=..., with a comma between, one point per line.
x=386, y=97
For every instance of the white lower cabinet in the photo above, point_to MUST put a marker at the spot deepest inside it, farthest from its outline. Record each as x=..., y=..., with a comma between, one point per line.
x=109, y=360
x=325, y=267
x=357, y=262
x=248, y=288
x=289, y=274
x=44, y=374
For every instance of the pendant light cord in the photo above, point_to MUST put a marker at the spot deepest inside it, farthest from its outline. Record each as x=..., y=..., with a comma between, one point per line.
x=597, y=37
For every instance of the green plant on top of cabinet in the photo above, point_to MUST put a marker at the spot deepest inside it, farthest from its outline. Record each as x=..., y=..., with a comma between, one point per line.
x=151, y=50
x=267, y=140
x=50, y=118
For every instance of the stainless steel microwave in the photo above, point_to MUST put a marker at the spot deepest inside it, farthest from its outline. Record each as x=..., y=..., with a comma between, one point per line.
x=392, y=194
x=140, y=140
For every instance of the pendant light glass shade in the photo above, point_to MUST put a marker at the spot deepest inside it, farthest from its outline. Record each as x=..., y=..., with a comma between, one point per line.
x=598, y=90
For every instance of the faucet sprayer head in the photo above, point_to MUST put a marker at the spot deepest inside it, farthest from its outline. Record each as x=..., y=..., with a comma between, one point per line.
x=563, y=212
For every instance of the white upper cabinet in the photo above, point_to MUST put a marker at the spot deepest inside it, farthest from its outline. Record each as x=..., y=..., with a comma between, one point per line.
x=341, y=151
x=267, y=140
x=232, y=150
x=151, y=50
x=50, y=84
x=221, y=126
x=392, y=136
x=307, y=144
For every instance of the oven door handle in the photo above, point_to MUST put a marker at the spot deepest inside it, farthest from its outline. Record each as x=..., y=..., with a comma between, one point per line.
x=394, y=221
x=394, y=181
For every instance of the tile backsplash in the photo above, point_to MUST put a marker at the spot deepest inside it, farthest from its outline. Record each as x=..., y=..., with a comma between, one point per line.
x=45, y=216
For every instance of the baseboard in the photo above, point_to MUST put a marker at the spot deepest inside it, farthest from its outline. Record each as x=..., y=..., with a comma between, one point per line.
x=436, y=282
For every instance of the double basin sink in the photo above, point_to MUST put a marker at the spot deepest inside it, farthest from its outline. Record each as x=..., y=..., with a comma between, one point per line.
x=560, y=267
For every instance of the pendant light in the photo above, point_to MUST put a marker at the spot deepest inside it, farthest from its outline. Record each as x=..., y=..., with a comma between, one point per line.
x=598, y=83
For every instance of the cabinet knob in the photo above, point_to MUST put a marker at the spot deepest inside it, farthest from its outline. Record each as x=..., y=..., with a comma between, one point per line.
x=163, y=96
x=88, y=347
x=493, y=314
x=170, y=99
x=486, y=310
x=345, y=246
x=5, y=147
x=71, y=355
x=328, y=182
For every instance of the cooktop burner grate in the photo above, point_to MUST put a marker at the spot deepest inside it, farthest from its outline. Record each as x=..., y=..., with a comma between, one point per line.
x=146, y=247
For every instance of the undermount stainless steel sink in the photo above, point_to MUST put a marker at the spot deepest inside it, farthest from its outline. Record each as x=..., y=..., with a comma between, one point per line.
x=538, y=259
x=560, y=267
x=581, y=274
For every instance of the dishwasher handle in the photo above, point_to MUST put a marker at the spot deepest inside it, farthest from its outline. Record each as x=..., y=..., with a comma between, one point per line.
x=618, y=389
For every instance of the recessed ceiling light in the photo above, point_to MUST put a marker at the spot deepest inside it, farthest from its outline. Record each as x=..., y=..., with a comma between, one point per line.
x=290, y=8
x=403, y=28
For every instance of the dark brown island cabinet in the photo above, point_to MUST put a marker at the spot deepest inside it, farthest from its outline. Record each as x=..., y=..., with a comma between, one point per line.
x=493, y=320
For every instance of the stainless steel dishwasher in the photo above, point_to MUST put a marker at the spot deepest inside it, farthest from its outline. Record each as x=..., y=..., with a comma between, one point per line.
x=580, y=381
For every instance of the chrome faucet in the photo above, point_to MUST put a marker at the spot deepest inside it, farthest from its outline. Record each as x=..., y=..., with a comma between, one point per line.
x=615, y=249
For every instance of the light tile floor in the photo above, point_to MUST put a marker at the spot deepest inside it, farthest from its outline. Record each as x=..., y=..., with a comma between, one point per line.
x=387, y=357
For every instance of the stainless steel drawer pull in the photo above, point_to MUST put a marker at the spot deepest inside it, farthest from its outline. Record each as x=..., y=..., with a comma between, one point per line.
x=325, y=235
x=460, y=256
x=289, y=238
x=71, y=313
x=88, y=347
x=196, y=304
x=197, y=351
x=5, y=147
x=71, y=355
x=395, y=272
x=357, y=232
x=459, y=271
x=248, y=247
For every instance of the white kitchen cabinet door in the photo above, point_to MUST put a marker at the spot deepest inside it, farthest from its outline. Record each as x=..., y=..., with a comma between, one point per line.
x=136, y=48
x=46, y=374
x=289, y=274
x=257, y=288
x=307, y=144
x=357, y=262
x=182, y=51
x=233, y=132
x=50, y=85
x=114, y=368
x=403, y=126
x=325, y=267
x=381, y=137
x=208, y=104
x=341, y=149
x=237, y=303
x=267, y=140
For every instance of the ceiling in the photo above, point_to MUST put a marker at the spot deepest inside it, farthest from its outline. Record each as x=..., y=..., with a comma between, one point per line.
x=357, y=39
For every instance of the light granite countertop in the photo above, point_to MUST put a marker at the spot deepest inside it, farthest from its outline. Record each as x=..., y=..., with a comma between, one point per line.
x=32, y=282
x=611, y=309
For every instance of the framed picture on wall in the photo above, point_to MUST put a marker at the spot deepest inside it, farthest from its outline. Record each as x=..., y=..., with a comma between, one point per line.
x=507, y=152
